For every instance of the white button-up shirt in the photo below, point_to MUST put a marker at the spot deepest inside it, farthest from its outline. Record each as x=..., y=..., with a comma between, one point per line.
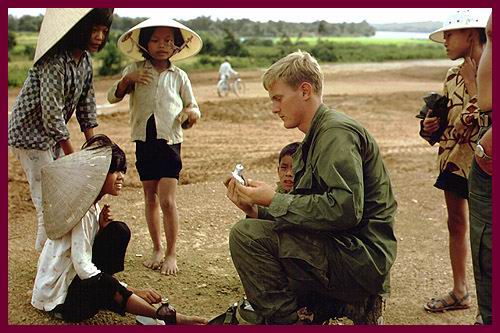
x=226, y=71
x=166, y=96
x=62, y=259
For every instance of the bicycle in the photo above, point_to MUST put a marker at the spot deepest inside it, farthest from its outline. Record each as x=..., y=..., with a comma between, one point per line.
x=237, y=86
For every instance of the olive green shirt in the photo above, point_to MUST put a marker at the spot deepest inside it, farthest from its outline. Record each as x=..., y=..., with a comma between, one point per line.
x=342, y=192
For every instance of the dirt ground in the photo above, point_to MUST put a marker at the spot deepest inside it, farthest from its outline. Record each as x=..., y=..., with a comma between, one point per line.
x=383, y=97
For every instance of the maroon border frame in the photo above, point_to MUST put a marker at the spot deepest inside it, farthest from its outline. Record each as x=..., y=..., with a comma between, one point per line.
x=5, y=327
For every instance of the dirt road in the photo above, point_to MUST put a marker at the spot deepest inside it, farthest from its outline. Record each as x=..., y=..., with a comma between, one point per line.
x=383, y=97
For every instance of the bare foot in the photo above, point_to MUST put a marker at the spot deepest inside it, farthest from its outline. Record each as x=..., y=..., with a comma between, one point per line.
x=169, y=266
x=190, y=320
x=155, y=261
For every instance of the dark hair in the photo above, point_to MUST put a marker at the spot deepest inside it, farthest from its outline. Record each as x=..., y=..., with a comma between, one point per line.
x=118, y=158
x=482, y=35
x=146, y=33
x=289, y=150
x=78, y=37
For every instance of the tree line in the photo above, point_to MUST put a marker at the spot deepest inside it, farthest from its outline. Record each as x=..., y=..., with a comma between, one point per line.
x=240, y=27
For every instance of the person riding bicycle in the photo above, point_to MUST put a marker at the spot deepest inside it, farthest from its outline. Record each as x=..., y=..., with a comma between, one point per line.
x=226, y=71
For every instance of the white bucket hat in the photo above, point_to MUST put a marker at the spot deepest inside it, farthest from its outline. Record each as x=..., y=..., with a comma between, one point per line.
x=56, y=23
x=129, y=41
x=462, y=19
x=70, y=186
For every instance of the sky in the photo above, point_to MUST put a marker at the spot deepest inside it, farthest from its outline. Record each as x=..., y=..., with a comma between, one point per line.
x=332, y=15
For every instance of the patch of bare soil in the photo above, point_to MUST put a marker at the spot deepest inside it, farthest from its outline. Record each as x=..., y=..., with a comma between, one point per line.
x=384, y=98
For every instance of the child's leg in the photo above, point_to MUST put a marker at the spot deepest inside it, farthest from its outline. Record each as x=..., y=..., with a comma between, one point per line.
x=458, y=224
x=458, y=221
x=138, y=306
x=86, y=297
x=167, y=189
x=32, y=161
x=152, y=209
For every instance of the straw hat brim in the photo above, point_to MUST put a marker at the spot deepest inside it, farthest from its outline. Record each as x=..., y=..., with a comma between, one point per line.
x=127, y=41
x=57, y=22
x=438, y=35
x=70, y=186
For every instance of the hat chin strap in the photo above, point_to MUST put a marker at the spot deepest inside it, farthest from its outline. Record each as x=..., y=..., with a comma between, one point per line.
x=175, y=49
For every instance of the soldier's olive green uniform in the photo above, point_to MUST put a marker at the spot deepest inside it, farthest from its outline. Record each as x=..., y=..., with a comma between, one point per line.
x=332, y=234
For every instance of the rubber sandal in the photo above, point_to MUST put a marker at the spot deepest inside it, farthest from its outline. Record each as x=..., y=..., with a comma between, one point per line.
x=441, y=305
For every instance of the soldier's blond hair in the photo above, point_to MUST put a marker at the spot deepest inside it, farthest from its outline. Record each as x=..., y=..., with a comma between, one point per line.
x=294, y=69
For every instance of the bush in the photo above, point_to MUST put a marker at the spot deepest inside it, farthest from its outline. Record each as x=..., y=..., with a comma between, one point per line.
x=208, y=61
x=29, y=51
x=111, y=60
x=324, y=51
x=12, y=40
x=233, y=47
x=211, y=46
x=17, y=74
x=254, y=41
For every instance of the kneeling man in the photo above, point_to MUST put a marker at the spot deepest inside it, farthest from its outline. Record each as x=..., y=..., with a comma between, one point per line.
x=331, y=237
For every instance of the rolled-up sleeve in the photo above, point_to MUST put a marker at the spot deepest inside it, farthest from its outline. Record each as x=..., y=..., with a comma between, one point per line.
x=86, y=112
x=52, y=100
x=187, y=95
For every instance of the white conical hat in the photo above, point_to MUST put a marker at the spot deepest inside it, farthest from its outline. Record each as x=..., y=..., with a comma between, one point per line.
x=127, y=42
x=70, y=186
x=56, y=23
x=462, y=19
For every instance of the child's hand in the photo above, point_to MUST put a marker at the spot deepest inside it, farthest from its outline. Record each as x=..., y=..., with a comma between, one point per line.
x=149, y=295
x=105, y=217
x=143, y=76
x=189, y=115
x=468, y=71
x=192, y=116
x=430, y=124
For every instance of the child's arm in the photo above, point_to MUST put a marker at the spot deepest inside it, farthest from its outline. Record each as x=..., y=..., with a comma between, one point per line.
x=190, y=105
x=149, y=295
x=52, y=103
x=86, y=111
x=131, y=76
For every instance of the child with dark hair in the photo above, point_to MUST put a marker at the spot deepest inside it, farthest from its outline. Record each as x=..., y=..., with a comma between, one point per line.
x=285, y=167
x=162, y=103
x=58, y=85
x=86, y=248
x=463, y=36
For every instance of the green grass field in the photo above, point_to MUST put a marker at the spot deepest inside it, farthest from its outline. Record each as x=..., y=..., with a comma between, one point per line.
x=325, y=49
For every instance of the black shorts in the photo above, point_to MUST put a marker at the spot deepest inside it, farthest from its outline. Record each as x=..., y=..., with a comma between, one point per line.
x=155, y=159
x=451, y=182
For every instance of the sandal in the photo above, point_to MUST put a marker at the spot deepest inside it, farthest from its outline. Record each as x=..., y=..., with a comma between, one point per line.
x=441, y=304
x=167, y=313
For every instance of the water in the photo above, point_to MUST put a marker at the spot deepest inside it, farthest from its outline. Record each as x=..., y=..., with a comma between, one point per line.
x=400, y=35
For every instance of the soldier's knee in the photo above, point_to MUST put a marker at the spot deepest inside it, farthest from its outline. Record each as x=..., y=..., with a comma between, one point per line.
x=237, y=232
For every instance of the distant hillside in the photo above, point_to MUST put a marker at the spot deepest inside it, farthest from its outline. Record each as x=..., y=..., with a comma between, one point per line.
x=428, y=26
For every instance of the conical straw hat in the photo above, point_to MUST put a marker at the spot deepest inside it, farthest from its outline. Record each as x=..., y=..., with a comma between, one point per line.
x=70, y=186
x=127, y=42
x=56, y=23
x=462, y=19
